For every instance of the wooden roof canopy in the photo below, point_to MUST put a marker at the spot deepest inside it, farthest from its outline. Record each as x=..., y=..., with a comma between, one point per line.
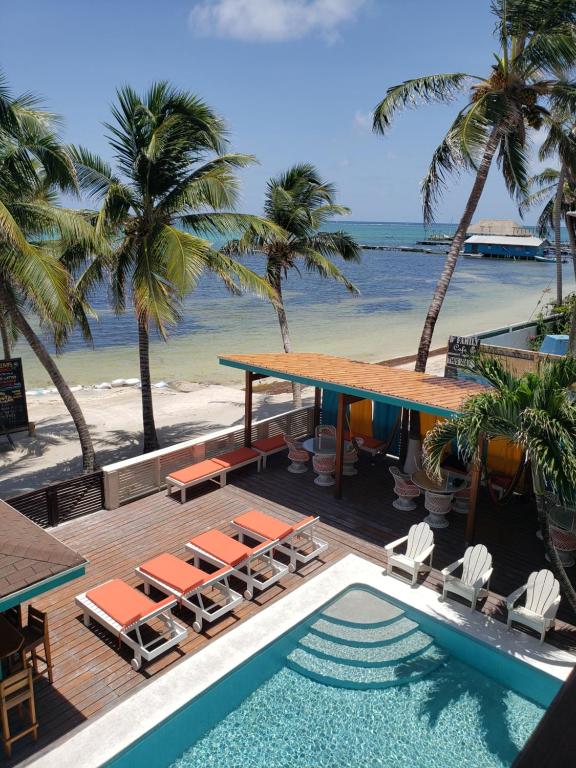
x=396, y=386
x=32, y=561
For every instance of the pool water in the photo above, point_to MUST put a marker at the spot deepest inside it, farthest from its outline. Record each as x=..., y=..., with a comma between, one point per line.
x=363, y=682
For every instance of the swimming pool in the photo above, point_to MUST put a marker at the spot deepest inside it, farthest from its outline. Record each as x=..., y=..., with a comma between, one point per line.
x=364, y=681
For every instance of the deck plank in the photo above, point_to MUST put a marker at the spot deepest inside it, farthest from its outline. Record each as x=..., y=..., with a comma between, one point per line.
x=92, y=673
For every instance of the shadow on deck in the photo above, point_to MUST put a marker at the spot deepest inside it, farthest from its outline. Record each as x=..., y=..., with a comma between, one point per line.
x=92, y=672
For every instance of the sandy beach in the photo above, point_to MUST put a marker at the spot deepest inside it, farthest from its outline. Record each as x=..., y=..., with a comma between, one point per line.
x=183, y=411
x=114, y=417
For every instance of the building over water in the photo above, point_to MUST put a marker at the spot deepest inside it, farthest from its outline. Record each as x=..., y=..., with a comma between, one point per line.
x=503, y=239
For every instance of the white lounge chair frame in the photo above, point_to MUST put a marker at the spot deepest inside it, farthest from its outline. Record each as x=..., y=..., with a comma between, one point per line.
x=218, y=476
x=270, y=452
x=244, y=569
x=201, y=610
x=294, y=544
x=476, y=573
x=419, y=549
x=172, y=635
x=541, y=604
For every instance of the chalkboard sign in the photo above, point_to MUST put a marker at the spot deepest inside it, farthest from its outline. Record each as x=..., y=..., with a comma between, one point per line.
x=460, y=350
x=13, y=410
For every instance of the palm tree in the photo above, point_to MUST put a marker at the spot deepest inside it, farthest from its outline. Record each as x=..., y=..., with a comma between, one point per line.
x=536, y=40
x=171, y=191
x=555, y=190
x=299, y=202
x=534, y=411
x=35, y=236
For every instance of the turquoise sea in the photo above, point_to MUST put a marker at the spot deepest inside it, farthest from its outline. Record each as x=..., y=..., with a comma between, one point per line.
x=383, y=321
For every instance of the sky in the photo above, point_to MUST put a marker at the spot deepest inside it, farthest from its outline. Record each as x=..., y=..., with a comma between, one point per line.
x=295, y=80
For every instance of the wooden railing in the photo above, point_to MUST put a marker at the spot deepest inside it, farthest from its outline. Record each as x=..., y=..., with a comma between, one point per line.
x=59, y=502
x=144, y=475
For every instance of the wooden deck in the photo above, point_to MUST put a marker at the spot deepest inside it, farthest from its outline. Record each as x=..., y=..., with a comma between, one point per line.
x=92, y=673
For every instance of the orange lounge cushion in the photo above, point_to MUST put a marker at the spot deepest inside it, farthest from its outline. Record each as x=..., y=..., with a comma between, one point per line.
x=175, y=573
x=222, y=547
x=369, y=442
x=264, y=525
x=195, y=471
x=124, y=604
x=232, y=458
x=270, y=443
x=304, y=521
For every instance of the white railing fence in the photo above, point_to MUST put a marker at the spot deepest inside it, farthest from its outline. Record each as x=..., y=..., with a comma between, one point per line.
x=146, y=474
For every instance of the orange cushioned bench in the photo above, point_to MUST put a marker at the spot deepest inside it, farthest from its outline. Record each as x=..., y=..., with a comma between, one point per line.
x=214, y=469
x=269, y=445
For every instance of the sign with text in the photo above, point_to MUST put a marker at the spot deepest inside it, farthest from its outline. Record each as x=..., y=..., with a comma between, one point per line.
x=13, y=410
x=460, y=350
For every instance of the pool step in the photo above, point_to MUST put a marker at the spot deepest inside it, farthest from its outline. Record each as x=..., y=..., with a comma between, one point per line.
x=342, y=675
x=374, y=655
x=359, y=608
x=364, y=636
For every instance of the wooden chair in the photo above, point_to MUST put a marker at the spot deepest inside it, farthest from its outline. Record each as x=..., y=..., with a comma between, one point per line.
x=541, y=603
x=15, y=691
x=476, y=572
x=14, y=616
x=36, y=635
x=419, y=548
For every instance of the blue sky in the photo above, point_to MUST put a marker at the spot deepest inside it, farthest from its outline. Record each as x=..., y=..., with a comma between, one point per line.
x=296, y=80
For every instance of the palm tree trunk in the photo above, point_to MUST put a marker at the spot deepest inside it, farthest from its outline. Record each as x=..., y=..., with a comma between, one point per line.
x=555, y=562
x=149, y=427
x=569, y=221
x=557, y=233
x=88, y=454
x=276, y=281
x=6, y=345
x=454, y=252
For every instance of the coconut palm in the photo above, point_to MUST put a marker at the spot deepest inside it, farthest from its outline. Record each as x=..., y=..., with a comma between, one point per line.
x=534, y=411
x=299, y=202
x=174, y=186
x=536, y=41
x=35, y=235
x=555, y=191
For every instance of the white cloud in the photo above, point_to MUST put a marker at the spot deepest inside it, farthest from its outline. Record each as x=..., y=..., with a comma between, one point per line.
x=272, y=20
x=363, y=120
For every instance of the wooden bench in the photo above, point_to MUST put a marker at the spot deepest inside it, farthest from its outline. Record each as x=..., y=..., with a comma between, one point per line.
x=266, y=446
x=215, y=469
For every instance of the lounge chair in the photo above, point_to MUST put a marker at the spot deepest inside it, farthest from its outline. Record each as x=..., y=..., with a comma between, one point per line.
x=123, y=610
x=541, y=603
x=476, y=572
x=297, y=540
x=266, y=446
x=215, y=469
x=419, y=549
x=249, y=564
x=190, y=585
x=368, y=444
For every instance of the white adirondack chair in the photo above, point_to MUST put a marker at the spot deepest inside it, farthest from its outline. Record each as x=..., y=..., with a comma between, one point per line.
x=419, y=548
x=475, y=579
x=541, y=604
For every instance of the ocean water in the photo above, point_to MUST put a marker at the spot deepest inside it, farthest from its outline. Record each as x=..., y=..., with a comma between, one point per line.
x=383, y=321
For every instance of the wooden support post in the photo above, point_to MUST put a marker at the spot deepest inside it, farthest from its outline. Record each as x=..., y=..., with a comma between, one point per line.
x=474, y=489
x=340, y=444
x=248, y=410
x=317, y=404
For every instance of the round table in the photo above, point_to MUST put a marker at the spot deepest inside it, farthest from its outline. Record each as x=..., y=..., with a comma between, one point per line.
x=10, y=640
x=447, y=486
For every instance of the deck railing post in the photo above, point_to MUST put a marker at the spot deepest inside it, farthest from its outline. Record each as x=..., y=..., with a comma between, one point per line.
x=248, y=410
x=340, y=445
